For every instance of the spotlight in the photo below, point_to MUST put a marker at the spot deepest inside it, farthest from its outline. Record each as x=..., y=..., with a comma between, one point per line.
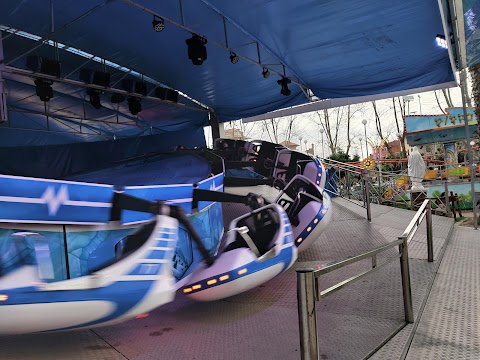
x=284, y=83
x=134, y=105
x=95, y=98
x=158, y=23
x=137, y=87
x=197, y=52
x=166, y=94
x=441, y=41
x=43, y=65
x=117, y=98
x=99, y=78
x=233, y=57
x=43, y=88
x=265, y=73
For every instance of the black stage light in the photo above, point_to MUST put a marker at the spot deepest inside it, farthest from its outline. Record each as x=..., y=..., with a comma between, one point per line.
x=99, y=78
x=44, y=89
x=133, y=86
x=117, y=98
x=197, y=52
x=94, y=98
x=134, y=105
x=233, y=57
x=166, y=94
x=43, y=65
x=265, y=73
x=158, y=23
x=284, y=83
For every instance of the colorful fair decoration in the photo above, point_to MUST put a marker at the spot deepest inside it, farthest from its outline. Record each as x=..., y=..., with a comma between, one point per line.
x=368, y=163
x=388, y=194
x=401, y=182
x=440, y=128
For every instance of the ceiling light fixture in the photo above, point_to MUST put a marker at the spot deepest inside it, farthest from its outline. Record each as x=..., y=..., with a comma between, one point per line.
x=284, y=84
x=166, y=94
x=43, y=65
x=95, y=98
x=158, y=23
x=134, y=105
x=441, y=41
x=233, y=57
x=265, y=73
x=43, y=87
x=197, y=52
x=133, y=86
x=99, y=78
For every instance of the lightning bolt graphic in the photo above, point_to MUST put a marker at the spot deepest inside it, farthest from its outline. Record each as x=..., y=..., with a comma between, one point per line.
x=54, y=201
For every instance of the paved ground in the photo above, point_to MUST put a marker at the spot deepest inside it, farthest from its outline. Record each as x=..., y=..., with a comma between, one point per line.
x=263, y=323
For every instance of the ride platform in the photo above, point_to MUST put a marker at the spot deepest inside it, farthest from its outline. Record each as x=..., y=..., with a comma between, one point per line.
x=363, y=320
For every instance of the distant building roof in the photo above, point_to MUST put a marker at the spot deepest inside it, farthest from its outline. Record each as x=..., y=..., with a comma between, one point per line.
x=289, y=144
x=234, y=134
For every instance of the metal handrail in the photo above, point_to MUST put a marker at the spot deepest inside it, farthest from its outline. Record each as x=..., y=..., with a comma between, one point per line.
x=425, y=211
x=417, y=219
x=308, y=292
x=344, y=165
x=370, y=254
x=308, y=283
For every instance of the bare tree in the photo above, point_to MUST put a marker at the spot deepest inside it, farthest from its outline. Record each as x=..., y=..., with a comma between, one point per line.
x=279, y=129
x=378, y=124
x=247, y=129
x=402, y=108
x=330, y=120
x=239, y=130
x=438, y=102
x=351, y=111
x=290, y=129
x=271, y=127
x=401, y=133
x=447, y=96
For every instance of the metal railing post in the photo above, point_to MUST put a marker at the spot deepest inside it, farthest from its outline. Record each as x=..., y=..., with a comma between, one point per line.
x=366, y=180
x=347, y=175
x=447, y=198
x=380, y=192
x=307, y=316
x=429, y=232
x=407, y=291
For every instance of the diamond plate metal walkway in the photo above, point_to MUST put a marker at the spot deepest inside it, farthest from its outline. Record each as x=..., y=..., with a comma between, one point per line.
x=449, y=327
x=262, y=323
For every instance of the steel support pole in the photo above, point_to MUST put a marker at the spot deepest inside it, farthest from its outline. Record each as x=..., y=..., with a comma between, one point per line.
x=366, y=180
x=347, y=177
x=447, y=198
x=366, y=142
x=429, y=232
x=463, y=88
x=456, y=12
x=380, y=192
x=307, y=316
x=407, y=291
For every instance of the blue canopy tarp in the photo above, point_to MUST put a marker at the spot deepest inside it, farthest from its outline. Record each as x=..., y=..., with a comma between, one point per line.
x=328, y=49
